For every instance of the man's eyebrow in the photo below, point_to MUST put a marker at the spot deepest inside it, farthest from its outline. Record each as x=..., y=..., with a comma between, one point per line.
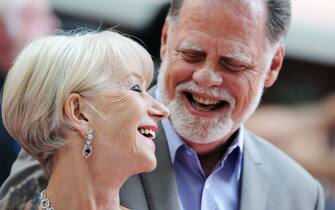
x=189, y=46
x=237, y=56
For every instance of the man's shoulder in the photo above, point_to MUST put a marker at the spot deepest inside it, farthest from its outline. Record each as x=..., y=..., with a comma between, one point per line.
x=269, y=172
x=277, y=164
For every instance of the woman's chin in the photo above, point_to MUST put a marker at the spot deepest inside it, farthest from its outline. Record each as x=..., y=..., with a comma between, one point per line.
x=152, y=166
x=145, y=158
x=148, y=165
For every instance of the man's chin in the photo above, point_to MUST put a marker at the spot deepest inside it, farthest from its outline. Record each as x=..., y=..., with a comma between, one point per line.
x=197, y=129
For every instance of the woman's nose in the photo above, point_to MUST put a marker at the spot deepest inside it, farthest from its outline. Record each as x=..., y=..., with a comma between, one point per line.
x=158, y=110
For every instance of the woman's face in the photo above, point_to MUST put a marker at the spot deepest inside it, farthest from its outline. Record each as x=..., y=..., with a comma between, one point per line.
x=124, y=119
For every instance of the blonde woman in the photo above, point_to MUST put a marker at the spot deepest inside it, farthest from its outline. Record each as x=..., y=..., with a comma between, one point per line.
x=78, y=104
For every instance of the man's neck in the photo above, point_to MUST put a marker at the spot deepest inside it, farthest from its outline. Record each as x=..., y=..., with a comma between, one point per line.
x=210, y=154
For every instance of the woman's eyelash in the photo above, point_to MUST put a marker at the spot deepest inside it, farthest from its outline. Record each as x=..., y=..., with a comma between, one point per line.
x=136, y=88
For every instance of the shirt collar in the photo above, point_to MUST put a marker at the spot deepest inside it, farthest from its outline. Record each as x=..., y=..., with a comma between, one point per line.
x=173, y=139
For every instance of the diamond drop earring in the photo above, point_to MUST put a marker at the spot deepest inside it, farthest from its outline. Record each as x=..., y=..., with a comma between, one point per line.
x=87, y=148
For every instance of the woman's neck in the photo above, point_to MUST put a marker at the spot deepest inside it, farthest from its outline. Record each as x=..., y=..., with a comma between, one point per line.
x=76, y=183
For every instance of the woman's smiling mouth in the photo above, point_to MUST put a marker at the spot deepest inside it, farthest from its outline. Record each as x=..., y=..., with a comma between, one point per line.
x=148, y=132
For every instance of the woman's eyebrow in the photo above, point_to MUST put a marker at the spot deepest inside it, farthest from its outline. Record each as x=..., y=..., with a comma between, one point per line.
x=138, y=76
x=135, y=75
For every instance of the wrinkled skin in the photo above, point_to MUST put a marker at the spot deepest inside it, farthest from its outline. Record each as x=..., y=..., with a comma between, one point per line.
x=116, y=115
x=216, y=46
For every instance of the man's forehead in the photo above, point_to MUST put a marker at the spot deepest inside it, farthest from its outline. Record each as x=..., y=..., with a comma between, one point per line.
x=249, y=8
x=226, y=24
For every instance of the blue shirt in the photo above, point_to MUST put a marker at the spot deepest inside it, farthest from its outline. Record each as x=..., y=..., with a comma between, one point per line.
x=220, y=190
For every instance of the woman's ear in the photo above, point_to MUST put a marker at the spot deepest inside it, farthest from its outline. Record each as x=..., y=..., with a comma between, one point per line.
x=76, y=113
x=276, y=64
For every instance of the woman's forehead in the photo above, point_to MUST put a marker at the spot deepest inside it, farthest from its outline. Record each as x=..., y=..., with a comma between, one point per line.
x=127, y=75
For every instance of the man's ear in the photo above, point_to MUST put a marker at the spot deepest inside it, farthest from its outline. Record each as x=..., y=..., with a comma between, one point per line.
x=164, y=38
x=76, y=113
x=276, y=64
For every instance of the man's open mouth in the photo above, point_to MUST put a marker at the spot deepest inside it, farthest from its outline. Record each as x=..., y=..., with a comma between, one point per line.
x=205, y=104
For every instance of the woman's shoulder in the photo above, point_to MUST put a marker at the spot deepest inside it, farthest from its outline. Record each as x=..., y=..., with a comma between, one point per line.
x=25, y=196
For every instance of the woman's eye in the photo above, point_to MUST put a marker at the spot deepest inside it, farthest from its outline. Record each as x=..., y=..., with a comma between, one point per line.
x=136, y=88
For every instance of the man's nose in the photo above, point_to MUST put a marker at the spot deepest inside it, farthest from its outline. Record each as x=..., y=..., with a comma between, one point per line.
x=207, y=77
x=158, y=110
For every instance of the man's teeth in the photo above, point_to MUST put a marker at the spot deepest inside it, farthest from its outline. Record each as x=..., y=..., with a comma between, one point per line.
x=146, y=132
x=205, y=100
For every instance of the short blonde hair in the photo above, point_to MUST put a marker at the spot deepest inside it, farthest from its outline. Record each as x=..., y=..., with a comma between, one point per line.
x=51, y=68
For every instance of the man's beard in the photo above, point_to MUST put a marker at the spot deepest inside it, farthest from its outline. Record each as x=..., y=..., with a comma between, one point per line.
x=203, y=130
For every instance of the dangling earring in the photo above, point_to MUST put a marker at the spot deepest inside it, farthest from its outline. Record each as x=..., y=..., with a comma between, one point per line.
x=87, y=148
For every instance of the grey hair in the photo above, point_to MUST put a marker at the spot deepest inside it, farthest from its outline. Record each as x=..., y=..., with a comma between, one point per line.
x=278, y=17
x=51, y=68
